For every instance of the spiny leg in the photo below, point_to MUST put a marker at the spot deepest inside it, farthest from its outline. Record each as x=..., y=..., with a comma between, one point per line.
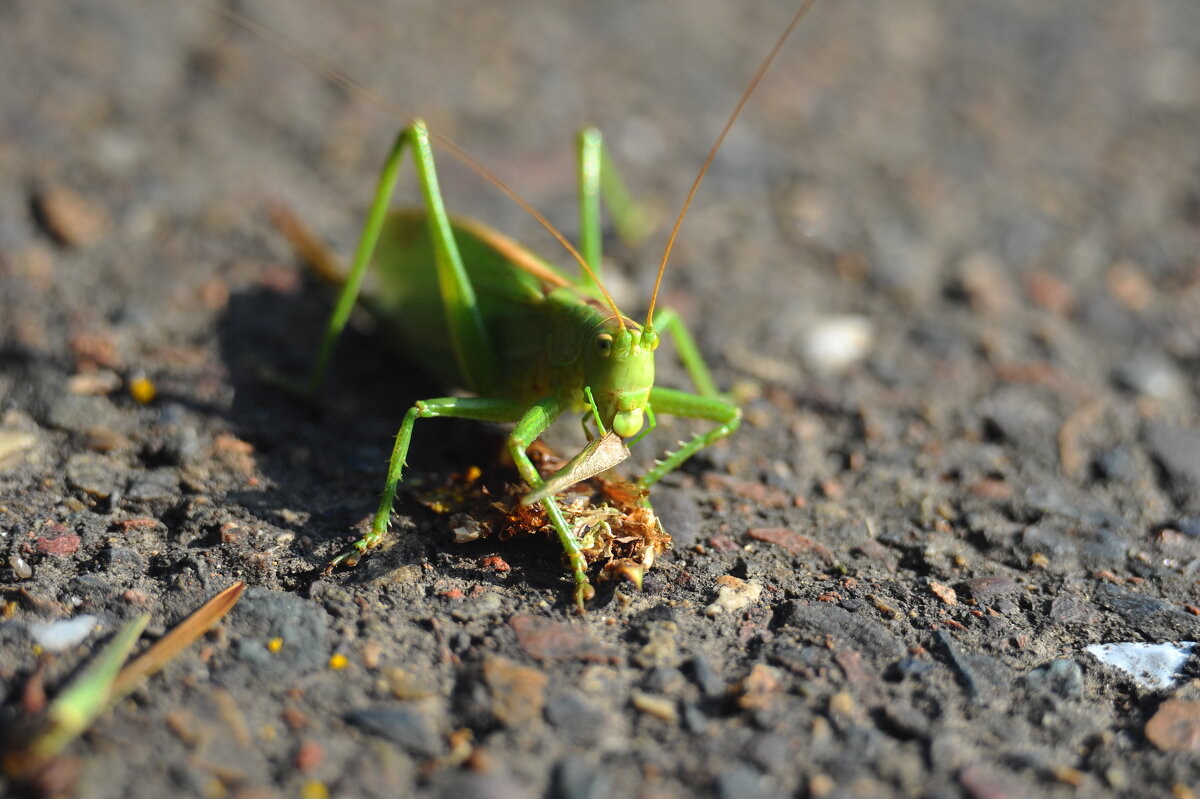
x=367, y=240
x=708, y=404
x=531, y=425
x=477, y=408
x=692, y=406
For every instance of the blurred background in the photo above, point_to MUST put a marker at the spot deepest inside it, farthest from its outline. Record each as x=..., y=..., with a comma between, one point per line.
x=900, y=160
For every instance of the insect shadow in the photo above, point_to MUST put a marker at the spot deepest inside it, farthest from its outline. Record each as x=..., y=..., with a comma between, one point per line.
x=321, y=457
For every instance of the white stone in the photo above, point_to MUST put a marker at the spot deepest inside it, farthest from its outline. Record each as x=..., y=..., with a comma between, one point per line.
x=1153, y=666
x=59, y=636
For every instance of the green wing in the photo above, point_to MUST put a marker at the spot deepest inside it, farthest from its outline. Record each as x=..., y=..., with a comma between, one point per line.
x=510, y=284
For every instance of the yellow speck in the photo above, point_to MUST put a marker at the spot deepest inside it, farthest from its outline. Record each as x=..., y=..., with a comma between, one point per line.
x=474, y=473
x=338, y=661
x=267, y=733
x=314, y=789
x=274, y=645
x=142, y=390
x=37, y=649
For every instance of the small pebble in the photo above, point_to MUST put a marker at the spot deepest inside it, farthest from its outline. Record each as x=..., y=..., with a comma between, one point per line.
x=985, y=782
x=1068, y=609
x=1152, y=666
x=101, y=381
x=657, y=706
x=13, y=443
x=309, y=756
x=371, y=653
x=157, y=484
x=22, y=569
x=743, y=782
x=485, y=605
x=548, y=640
x=984, y=281
x=836, y=343
x=1063, y=677
x=1152, y=375
x=403, y=684
x=1177, y=450
x=793, y=542
x=94, y=474
x=406, y=726
x=70, y=218
x=580, y=720
x=575, y=778
x=733, y=594
x=943, y=592
x=761, y=687
x=59, y=545
x=516, y=691
x=706, y=676
x=661, y=648
x=104, y=439
x=59, y=636
x=1175, y=727
x=987, y=589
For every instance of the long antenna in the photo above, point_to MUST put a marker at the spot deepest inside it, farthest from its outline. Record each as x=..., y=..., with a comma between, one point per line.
x=336, y=75
x=762, y=70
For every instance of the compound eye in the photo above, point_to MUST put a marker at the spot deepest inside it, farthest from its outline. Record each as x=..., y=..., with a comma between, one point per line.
x=604, y=344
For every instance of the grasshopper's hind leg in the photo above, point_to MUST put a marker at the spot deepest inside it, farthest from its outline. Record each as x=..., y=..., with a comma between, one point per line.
x=691, y=406
x=599, y=178
x=480, y=409
x=473, y=348
x=469, y=339
x=353, y=279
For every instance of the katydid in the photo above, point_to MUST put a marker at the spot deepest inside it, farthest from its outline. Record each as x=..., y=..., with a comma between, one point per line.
x=477, y=310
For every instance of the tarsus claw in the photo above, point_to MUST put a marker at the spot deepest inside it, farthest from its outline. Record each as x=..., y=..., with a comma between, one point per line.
x=583, y=593
x=352, y=554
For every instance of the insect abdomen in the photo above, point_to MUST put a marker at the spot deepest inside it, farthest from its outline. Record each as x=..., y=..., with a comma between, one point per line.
x=512, y=303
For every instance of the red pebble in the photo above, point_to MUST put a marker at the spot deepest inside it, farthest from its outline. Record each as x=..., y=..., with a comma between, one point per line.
x=60, y=546
x=309, y=756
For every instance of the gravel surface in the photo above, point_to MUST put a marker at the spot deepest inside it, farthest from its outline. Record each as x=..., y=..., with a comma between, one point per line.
x=950, y=258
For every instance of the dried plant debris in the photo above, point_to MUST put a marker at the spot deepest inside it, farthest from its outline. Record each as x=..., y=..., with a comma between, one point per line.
x=31, y=750
x=600, y=455
x=610, y=516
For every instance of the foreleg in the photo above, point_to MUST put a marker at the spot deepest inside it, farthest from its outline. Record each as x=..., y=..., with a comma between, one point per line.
x=691, y=406
x=531, y=425
x=480, y=409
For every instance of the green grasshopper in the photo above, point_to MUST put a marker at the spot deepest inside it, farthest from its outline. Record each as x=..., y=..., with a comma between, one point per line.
x=476, y=309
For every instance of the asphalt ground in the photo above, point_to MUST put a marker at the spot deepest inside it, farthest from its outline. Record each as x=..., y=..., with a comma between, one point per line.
x=948, y=260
